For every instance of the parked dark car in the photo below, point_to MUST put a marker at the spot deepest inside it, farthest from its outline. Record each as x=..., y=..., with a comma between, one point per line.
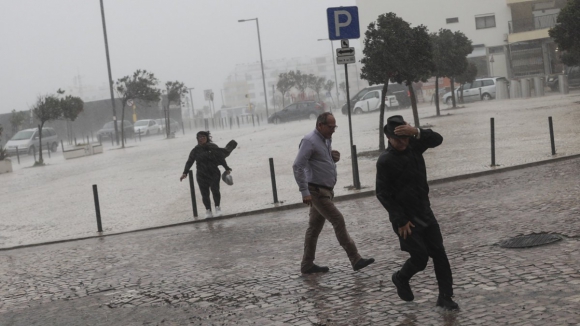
x=108, y=129
x=297, y=111
x=573, y=78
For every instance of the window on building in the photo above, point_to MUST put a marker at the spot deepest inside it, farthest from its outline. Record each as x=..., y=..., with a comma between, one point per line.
x=495, y=49
x=484, y=21
x=452, y=20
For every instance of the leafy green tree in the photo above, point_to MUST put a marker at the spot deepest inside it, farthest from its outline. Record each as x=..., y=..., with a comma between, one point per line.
x=175, y=90
x=316, y=84
x=328, y=86
x=2, y=150
x=16, y=120
x=139, y=86
x=342, y=87
x=380, y=58
x=450, y=50
x=71, y=107
x=284, y=84
x=467, y=76
x=300, y=82
x=47, y=108
x=566, y=33
x=398, y=53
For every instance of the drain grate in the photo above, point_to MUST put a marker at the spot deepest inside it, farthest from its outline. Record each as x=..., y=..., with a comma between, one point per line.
x=531, y=240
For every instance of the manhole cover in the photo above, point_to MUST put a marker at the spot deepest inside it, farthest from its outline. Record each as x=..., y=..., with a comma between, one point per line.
x=531, y=240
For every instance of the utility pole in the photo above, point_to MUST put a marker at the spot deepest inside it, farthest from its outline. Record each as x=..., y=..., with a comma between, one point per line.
x=109, y=70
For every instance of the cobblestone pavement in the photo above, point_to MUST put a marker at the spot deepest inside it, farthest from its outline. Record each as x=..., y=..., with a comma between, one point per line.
x=246, y=270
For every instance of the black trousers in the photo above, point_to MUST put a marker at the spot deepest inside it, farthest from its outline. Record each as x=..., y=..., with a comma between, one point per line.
x=426, y=241
x=207, y=181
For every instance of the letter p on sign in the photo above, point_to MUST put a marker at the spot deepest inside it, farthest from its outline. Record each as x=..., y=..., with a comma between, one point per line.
x=343, y=23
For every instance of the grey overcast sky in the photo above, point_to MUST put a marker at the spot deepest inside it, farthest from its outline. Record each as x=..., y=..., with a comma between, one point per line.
x=47, y=43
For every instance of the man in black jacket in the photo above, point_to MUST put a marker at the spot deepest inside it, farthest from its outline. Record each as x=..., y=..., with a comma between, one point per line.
x=401, y=187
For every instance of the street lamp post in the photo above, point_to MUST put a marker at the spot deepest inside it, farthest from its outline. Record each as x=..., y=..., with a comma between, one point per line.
x=261, y=61
x=334, y=64
x=109, y=70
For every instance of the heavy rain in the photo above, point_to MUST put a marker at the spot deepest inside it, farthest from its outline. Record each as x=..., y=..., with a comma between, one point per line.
x=139, y=101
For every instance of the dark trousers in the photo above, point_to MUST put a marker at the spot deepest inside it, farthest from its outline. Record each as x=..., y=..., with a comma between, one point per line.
x=206, y=182
x=424, y=242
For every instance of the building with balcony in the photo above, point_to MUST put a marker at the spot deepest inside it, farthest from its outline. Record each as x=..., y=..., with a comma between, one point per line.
x=532, y=51
x=510, y=37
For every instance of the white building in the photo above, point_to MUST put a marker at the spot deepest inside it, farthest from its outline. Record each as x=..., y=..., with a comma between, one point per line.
x=510, y=37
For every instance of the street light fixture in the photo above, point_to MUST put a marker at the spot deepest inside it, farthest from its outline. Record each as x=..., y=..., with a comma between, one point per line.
x=261, y=61
x=334, y=64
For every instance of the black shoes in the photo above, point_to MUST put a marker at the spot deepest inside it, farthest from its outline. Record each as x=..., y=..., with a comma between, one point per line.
x=362, y=263
x=403, y=288
x=446, y=302
x=316, y=269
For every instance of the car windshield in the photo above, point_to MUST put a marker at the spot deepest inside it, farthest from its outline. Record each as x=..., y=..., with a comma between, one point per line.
x=108, y=125
x=141, y=123
x=24, y=134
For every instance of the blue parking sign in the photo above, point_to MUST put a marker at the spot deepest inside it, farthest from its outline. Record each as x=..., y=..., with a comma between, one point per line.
x=343, y=23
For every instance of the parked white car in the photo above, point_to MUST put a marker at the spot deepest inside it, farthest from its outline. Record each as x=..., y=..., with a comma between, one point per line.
x=146, y=127
x=27, y=141
x=481, y=89
x=371, y=101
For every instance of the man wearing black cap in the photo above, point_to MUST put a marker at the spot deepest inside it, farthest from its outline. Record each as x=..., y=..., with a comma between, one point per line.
x=401, y=187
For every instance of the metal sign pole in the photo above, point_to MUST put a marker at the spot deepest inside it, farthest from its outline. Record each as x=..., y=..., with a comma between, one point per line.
x=355, y=179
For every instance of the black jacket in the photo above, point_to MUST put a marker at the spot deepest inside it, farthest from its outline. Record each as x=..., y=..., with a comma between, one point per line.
x=208, y=157
x=401, y=184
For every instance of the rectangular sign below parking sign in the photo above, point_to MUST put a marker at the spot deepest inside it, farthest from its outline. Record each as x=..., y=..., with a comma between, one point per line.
x=343, y=23
x=345, y=60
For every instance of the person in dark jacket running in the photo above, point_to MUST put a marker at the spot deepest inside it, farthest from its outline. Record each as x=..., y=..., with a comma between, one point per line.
x=208, y=156
x=401, y=187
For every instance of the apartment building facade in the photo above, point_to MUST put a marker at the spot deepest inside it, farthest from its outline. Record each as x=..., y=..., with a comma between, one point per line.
x=510, y=37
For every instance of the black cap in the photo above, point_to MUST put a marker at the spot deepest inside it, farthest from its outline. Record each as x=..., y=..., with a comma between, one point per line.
x=392, y=123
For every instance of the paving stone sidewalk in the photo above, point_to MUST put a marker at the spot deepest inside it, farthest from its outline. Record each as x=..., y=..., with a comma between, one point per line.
x=246, y=270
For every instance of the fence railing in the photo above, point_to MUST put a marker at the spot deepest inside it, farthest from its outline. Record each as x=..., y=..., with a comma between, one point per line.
x=533, y=23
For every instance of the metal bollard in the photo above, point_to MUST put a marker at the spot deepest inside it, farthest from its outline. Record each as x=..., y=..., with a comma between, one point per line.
x=273, y=177
x=492, y=123
x=34, y=153
x=552, y=136
x=356, y=178
x=48, y=148
x=61, y=146
x=17, y=154
x=253, y=122
x=238, y=120
x=192, y=190
x=230, y=122
x=97, y=209
x=182, y=128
